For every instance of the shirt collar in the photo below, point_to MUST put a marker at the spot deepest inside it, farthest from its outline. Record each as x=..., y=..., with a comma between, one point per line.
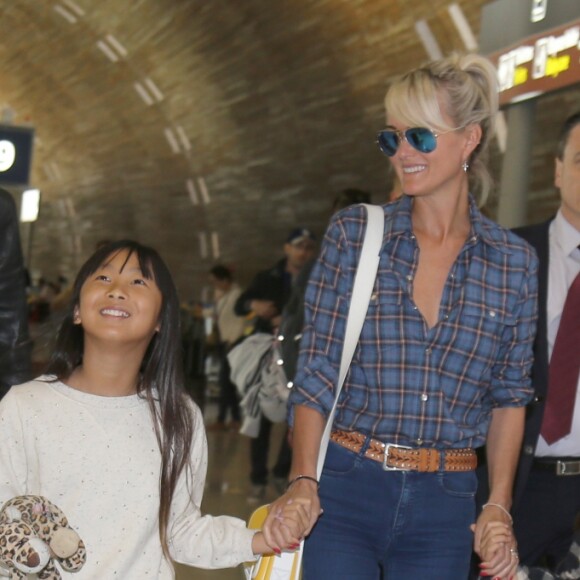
x=481, y=227
x=565, y=234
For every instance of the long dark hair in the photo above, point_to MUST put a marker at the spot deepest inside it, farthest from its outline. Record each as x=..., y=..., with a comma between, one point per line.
x=161, y=378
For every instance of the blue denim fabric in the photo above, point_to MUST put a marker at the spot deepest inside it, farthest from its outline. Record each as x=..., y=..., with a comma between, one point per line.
x=413, y=526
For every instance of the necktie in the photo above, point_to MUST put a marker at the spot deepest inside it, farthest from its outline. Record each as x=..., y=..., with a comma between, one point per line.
x=564, y=369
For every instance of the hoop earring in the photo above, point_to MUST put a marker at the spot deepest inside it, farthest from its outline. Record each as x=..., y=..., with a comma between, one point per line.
x=465, y=166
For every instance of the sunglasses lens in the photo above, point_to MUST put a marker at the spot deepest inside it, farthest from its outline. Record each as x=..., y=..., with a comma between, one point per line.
x=421, y=139
x=388, y=142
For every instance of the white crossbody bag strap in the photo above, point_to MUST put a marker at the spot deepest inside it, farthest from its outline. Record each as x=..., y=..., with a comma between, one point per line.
x=359, y=303
x=287, y=566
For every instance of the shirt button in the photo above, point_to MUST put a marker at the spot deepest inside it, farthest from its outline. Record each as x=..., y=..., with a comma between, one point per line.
x=424, y=397
x=474, y=239
x=409, y=277
x=446, y=317
x=374, y=296
x=419, y=441
x=492, y=313
x=452, y=276
x=428, y=350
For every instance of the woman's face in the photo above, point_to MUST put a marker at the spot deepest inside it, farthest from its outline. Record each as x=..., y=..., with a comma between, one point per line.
x=440, y=171
x=117, y=303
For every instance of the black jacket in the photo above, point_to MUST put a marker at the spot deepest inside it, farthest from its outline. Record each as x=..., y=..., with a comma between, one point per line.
x=14, y=341
x=537, y=236
x=293, y=320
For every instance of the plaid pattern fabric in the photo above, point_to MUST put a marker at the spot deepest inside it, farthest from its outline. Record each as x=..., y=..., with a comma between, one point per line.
x=409, y=384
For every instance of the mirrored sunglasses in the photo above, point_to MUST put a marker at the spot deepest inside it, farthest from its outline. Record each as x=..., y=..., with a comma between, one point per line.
x=420, y=138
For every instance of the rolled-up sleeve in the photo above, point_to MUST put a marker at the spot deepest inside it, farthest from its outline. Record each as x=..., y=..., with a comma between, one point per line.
x=326, y=304
x=511, y=384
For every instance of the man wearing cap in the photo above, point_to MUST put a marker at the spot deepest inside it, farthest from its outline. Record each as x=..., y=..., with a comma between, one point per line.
x=265, y=298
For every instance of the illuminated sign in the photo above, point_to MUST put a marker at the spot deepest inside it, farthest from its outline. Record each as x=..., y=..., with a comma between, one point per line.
x=30, y=205
x=539, y=64
x=15, y=154
x=539, y=8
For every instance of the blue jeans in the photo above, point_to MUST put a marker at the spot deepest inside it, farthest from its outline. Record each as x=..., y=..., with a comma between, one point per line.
x=394, y=525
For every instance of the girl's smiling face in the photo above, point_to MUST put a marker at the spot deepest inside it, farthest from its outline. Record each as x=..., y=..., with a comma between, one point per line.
x=117, y=303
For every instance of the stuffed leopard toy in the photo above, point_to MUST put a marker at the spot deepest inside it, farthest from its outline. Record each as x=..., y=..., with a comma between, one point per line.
x=33, y=532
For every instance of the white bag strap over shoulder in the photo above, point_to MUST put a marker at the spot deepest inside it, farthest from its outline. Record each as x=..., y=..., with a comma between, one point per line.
x=287, y=566
x=363, y=287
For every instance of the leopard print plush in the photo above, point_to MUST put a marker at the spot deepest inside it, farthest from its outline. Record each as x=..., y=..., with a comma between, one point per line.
x=21, y=551
x=49, y=524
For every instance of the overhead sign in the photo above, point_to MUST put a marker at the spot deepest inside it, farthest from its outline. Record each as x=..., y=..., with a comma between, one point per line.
x=15, y=154
x=538, y=64
x=539, y=9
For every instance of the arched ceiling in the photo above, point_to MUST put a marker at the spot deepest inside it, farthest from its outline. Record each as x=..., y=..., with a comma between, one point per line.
x=206, y=128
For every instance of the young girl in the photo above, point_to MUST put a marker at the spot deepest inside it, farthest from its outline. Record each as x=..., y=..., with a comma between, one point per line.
x=110, y=436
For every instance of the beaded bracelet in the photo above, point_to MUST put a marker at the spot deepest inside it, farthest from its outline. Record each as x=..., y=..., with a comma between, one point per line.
x=303, y=477
x=497, y=505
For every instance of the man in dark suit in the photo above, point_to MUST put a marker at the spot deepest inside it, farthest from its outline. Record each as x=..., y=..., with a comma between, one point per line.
x=547, y=488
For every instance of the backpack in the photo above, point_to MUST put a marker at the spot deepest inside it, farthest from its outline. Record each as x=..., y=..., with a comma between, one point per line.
x=257, y=371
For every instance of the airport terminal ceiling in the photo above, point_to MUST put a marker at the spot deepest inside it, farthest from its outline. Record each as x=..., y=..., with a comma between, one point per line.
x=207, y=128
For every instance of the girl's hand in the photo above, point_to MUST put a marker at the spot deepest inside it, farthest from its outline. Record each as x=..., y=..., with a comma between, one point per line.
x=292, y=516
x=259, y=545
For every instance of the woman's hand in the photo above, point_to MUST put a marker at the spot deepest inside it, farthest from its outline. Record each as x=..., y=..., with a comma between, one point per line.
x=292, y=516
x=496, y=545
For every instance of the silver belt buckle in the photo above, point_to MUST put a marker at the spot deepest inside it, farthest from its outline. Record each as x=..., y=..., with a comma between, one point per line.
x=386, y=457
x=568, y=467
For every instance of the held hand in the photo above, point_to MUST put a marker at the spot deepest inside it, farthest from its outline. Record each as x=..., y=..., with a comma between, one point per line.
x=503, y=563
x=495, y=544
x=259, y=545
x=292, y=516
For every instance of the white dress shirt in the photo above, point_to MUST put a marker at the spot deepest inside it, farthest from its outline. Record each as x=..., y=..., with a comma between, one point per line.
x=564, y=267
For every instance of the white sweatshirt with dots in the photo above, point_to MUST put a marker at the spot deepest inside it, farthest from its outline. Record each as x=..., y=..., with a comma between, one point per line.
x=97, y=458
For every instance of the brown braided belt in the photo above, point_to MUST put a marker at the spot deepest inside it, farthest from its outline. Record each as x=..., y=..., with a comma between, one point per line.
x=398, y=457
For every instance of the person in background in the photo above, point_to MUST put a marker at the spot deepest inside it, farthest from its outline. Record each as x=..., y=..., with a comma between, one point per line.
x=266, y=297
x=15, y=345
x=293, y=314
x=547, y=491
x=442, y=364
x=230, y=330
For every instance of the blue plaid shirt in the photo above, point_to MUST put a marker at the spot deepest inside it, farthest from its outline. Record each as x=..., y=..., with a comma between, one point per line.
x=409, y=384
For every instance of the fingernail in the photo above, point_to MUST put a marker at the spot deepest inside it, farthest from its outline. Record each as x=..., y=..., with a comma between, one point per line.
x=294, y=546
x=277, y=551
x=482, y=565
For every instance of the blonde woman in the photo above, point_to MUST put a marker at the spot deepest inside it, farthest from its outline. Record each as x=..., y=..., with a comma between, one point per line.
x=442, y=366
